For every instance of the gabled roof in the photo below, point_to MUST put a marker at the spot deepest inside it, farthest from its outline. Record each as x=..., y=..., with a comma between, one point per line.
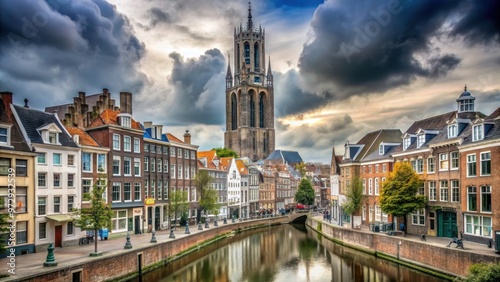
x=241, y=167
x=288, y=157
x=209, y=156
x=432, y=123
x=85, y=138
x=372, y=140
x=109, y=117
x=225, y=163
x=172, y=138
x=493, y=131
x=32, y=119
x=16, y=137
x=376, y=156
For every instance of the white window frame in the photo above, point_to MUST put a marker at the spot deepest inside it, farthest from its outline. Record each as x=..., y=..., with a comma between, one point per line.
x=119, y=159
x=483, y=158
x=471, y=163
x=7, y=135
x=406, y=143
x=137, y=167
x=119, y=185
x=443, y=158
x=54, y=159
x=455, y=190
x=90, y=161
x=418, y=217
x=129, y=160
x=488, y=191
x=431, y=164
x=420, y=140
x=444, y=193
x=101, y=163
x=116, y=142
x=477, y=132
x=376, y=186
x=137, y=145
x=452, y=130
x=127, y=143
x=432, y=191
x=478, y=227
x=370, y=186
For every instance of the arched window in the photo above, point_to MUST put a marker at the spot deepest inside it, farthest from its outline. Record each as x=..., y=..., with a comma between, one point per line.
x=247, y=53
x=238, y=57
x=256, y=56
x=252, y=110
x=234, y=112
x=261, y=110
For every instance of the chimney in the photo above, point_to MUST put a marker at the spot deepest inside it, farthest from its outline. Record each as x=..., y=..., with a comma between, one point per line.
x=26, y=103
x=187, y=137
x=148, y=124
x=126, y=103
x=7, y=100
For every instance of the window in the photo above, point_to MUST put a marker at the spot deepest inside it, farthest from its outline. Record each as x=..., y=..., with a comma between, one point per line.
x=455, y=191
x=159, y=162
x=421, y=190
x=376, y=186
x=71, y=229
x=486, y=163
x=485, y=198
x=421, y=140
x=137, y=167
x=86, y=187
x=471, y=165
x=165, y=190
x=71, y=202
x=21, y=199
x=370, y=186
x=186, y=172
x=41, y=158
x=137, y=191
x=160, y=185
x=4, y=135
x=42, y=230
x=116, y=192
x=443, y=189
x=127, y=166
x=57, y=180
x=179, y=171
x=42, y=205
x=418, y=217
x=56, y=159
x=127, y=143
x=119, y=220
x=71, y=160
x=452, y=131
x=172, y=152
x=116, y=165
x=381, y=149
x=153, y=186
x=153, y=164
x=165, y=150
x=57, y=204
x=146, y=188
x=384, y=167
x=146, y=163
x=193, y=172
x=179, y=153
x=432, y=190
x=127, y=191
x=471, y=198
x=101, y=162
x=21, y=167
x=186, y=154
x=420, y=166
x=158, y=149
x=153, y=148
x=376, y=168
x=443, y=161
x=146, y=147
x=87, y=162
x=193, y=155
x=478, y=225
x=406, y=143
x=431, y=165
x=454, y=160
x=477, y=132
x=165, y=166
x=53, y=137
x=172, y=171
x=125, y=121
x=137, y=145
x=116, y=142
x=71, y=180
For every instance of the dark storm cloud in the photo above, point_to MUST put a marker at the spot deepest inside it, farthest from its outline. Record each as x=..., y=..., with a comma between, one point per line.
x=197, y=87
x=370, y=46
x=56, y=48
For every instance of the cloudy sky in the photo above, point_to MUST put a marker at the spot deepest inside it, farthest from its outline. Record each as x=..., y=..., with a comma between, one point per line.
x=342, y=68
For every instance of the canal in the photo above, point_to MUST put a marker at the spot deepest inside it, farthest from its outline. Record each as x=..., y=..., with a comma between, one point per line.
x=282, y=253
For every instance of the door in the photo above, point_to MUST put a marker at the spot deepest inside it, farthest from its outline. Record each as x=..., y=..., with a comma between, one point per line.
x=137, y=224
x=58, y=239
x=447, y=224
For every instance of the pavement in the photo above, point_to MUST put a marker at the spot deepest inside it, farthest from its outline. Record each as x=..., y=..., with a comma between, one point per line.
x=32, y=264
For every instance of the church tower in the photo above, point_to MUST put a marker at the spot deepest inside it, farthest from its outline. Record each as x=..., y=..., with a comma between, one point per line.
x=249, y=95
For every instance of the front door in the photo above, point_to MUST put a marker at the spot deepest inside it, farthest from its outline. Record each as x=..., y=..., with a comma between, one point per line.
x=137, y=224
x=58, y=239
x=447, y=224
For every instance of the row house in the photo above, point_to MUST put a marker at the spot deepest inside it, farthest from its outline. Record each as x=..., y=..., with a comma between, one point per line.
x=183, y=170
x=334, y=185
x=208, y=161
x=253, y=189
x=17, y=177
x=233, y=186
x=57, y=176
x=283, y=190
x=244, y=187
x=267, y=192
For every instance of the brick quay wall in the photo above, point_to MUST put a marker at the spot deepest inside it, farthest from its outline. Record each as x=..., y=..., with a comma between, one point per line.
x=433, y=258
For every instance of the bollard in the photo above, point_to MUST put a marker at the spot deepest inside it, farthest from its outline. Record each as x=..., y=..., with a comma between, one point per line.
x=233, y=220
x=187, y=229
x=215, y=223
x=153, y=237
x=51, y=260
x=172, y=235
x=128, y=245
x=199, y=226
x=225, y=220
x=206, y=224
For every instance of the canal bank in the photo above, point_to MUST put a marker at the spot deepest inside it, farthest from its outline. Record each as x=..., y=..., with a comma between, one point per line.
x=432, y=255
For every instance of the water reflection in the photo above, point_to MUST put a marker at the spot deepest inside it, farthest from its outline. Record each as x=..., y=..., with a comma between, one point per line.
x=282, y=253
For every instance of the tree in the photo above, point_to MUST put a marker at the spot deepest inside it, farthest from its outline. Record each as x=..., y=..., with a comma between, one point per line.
x=178, y=203
x=97, y=215
x=207, y=197
x=301, y=167
x=4, y=226
x=305, y=194
x=225, y=152
x=354, y=197
x=399, y=195
x=482, y=272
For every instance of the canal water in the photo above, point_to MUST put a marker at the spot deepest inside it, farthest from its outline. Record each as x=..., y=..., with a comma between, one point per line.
x=288, y=253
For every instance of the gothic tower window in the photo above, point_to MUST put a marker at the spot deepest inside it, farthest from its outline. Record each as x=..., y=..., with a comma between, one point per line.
x=238, y=57
x=247, y=53
x=234, y=112
x=256, y=57
x=252, y=110
x=261, y=110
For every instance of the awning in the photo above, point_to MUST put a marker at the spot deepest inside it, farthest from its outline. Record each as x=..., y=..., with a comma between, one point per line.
x=60, y=217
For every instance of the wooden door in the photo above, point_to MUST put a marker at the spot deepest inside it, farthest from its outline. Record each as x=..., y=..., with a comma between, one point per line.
x=58, y=239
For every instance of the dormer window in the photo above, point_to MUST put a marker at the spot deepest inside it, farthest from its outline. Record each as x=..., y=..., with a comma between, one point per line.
x=477, y=132
x=421, y=140
x=53, y=137
x=381, y=149
x=452, y=131
x=125, y=122
x=406, y=142
x=4, y=135
x=50, y=133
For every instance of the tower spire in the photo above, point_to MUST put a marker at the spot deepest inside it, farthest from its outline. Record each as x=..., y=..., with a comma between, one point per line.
x=269, y=77
x=229, y=75
x=249, y=23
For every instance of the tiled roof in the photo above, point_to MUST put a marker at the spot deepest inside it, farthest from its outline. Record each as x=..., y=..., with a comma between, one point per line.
x=85, y=138
x=16, y=138
x=172, y=138
x=432, y=123
x=210, y=155
x=225, y=162
x=241, y=167
x=492, y=134
x=111, y=117
x=372, y=140
x=33, y=119
x=376, y=156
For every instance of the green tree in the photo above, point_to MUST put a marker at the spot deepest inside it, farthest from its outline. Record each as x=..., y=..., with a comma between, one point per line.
x=399, y=195
x=207, y=197
x=4, y=226
x=354, y=197
x=97, y=215
x=305, y=194
x=225, y=152
x=301, y=168
x=482, y=272
x=178, y=203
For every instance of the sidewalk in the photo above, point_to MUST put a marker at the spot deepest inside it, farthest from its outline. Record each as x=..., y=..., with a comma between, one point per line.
x=430, y=240
x=30, y=264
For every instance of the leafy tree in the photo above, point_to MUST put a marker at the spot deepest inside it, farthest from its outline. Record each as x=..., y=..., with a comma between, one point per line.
x=305, y=194
x=354, y=197
x=178, y=203
x=301, y=168
x=4, y=226
x=97, y=215
x=206, y=195
x=225, y=152
x=399, y=195
x=482, y=272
